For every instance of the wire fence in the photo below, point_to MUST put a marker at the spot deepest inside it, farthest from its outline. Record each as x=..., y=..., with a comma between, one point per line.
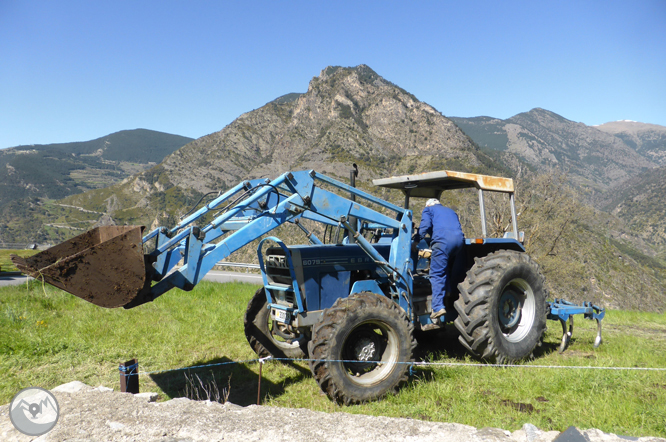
x=413, y=364
x=127, y=371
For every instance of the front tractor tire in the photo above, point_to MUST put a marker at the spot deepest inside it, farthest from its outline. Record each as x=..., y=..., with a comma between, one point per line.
x=502, y=307
x=268, y=337
x=361, y=348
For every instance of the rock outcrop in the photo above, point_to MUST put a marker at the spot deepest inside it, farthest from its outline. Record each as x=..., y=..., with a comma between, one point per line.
x=98, y=414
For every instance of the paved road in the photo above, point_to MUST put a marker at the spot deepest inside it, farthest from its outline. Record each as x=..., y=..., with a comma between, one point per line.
x=12, y=280
x=213, y=275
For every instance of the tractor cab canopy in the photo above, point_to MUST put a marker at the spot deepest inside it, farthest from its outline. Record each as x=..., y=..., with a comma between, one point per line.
x=432, y=184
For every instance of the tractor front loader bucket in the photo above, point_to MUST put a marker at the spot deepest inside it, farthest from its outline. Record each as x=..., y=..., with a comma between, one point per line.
x=104, y=266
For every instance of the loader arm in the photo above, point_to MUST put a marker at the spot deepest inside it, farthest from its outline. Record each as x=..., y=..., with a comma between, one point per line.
x=300, y=198
x=242, y=214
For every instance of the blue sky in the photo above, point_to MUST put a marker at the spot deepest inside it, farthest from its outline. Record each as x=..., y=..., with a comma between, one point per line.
x=78, y=70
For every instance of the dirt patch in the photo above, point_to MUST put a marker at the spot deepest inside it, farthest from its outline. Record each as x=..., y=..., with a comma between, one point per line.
x=645, y=332
x=523, y=408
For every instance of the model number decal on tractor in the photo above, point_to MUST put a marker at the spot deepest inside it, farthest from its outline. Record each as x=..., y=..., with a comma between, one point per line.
x=324, y=261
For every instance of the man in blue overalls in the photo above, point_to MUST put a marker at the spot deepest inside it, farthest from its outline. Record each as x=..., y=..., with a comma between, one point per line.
x=447, y=240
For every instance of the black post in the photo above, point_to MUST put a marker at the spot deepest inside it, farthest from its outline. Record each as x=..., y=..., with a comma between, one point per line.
x=353, y=173
x=261, y=364
x=129, y=377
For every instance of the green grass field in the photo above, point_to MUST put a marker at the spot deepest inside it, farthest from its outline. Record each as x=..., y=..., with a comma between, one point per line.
x=50, y=337
x=6, y=264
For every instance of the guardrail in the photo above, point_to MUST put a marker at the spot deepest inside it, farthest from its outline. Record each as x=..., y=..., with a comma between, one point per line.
x=22, y=245
x=237, y=264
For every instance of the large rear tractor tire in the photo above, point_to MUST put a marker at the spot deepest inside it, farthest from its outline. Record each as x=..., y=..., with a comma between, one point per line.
x=361, y=348
x=268, y=337
x=502, y=307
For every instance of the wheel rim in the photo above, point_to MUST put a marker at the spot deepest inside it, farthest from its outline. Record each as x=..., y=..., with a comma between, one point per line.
x=516, y=310
x=282, y=335
x=370, y=352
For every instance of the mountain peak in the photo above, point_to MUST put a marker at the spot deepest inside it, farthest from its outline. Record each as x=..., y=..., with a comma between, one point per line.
x=630, y=126
x=348, y=115
x=350, y=78
x=543, y=113
x=364, y=73
x=547, y=140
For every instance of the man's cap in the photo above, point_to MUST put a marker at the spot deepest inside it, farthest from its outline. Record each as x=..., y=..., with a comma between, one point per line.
x=432, y=202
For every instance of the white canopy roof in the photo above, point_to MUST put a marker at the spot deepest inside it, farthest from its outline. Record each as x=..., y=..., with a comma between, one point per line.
x=431, y=184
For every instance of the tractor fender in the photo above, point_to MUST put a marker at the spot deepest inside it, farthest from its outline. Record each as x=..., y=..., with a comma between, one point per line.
x=366, y=285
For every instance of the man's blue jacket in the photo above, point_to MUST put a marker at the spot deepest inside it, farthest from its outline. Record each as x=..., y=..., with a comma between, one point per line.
x=441, y=223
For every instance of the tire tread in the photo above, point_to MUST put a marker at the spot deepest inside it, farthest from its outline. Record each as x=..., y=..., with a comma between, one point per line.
x=474, y=305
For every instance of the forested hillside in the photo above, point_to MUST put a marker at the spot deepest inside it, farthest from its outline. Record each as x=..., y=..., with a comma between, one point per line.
x=55, y=171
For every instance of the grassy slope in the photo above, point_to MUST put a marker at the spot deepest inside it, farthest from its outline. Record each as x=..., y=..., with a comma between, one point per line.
x=50, y=337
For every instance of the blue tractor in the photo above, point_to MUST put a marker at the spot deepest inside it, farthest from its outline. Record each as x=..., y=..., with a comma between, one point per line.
x=350, y=304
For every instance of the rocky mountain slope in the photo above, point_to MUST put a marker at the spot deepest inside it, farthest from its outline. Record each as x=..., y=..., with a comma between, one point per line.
x=641, y=202
x=347, y=115
x=55, y=171
x=614, y=165
x=649, y=140
x=594, y=160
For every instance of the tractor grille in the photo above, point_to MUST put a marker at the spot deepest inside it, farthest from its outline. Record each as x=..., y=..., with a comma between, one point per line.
x=277, y=270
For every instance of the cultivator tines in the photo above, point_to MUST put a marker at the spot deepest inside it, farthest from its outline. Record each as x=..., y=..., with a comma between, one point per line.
x=564, y=311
